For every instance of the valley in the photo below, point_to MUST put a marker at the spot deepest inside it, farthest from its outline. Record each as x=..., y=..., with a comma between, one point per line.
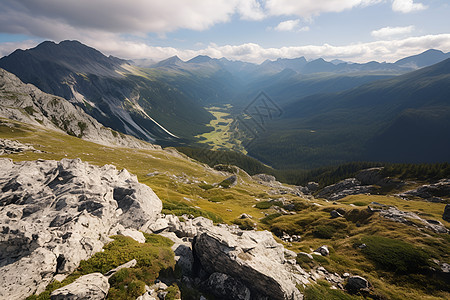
x=219, y=179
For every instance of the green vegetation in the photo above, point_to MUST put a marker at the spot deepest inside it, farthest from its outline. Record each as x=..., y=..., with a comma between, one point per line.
x=180, y=208
x=322, y=291
x=323, y=175
x=179, y=183
x=82, y=127
x=29, y=110
x=394, y=255
x=245, y=224
x=268, y=204
x=226, y=157
x=154, y=257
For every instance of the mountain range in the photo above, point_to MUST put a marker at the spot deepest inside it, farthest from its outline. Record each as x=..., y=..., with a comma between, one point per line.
x=332, y=112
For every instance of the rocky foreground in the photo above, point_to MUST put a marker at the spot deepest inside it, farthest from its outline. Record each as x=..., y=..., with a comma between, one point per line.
x=55, y=214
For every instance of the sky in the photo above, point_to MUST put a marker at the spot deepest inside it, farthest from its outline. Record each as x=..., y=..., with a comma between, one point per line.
x=247, y=30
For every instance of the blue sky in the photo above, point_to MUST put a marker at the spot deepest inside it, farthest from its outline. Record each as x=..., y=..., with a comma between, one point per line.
x=249, y=30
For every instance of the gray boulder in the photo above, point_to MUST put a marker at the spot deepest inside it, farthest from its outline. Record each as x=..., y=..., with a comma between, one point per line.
x=251, y=257
x=264, y=177
x=12, y=147
x=226, y=287
x=55, y=214
x=446, y=215
x=88, y=287
x=323, y=250
x=394, y=214
x=312, y=186
x=229, y=182
x=430, y=192
x=349, y=186
x=357, y=284
x=335, y=214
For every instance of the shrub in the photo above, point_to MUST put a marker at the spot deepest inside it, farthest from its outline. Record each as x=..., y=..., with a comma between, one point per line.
x=244, y=224
x=180, y=208
x=268, y=219
x=358, y=216
x=322, y=291
x=29, y=110
x=206, y=186
x=268, y=204
x=394, y=255
x=154, y=256
x=324, y=232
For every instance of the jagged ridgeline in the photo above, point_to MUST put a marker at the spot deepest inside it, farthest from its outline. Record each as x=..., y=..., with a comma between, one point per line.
x=332, y=112
x=117, y=94
x=89, y=212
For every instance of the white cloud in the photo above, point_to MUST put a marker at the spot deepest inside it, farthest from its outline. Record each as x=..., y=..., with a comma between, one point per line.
x=407, y=6
x=250, y=10
x=290, y=25
x=389, y=32
x=55, y=18
x=386, y=50
x=62, y=19
x=308, y=8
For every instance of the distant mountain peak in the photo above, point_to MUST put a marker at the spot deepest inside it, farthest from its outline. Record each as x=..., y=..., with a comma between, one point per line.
x=424, y=59
x=200, y=59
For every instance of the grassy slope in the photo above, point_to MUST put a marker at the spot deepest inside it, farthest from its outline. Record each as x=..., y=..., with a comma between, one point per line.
x=172, y=185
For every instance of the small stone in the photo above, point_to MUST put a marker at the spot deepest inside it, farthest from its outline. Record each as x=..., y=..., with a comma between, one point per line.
x=357, y=283
x=91, y=286
x=323, y=250
x=335, y=214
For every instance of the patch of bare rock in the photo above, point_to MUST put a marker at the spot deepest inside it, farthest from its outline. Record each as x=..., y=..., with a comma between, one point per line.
x=53, y=214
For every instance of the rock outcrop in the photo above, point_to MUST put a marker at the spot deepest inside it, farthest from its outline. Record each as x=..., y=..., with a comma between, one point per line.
x=13, y=147
x=217, y=257
x=349, y=186
x=357, y=284
x=430, y=192
x=252, y=257
x=55, y=214
x=446, y=214
x=92, y=286
x=226, y=287
x=394, y=214
x=26, y=103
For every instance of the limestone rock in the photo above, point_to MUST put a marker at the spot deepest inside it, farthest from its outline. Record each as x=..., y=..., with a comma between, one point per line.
x=349, y=186
x=134, y=234
x=11, y=147
x=394, y=214
x=251, y=257
x=91, y=286
x=357, y=283
x=55, y=214
x=430, y=192
x=226, y=287
x=335, y=214
x=183, y=252
x=264, y=177
x=312, y=186
x=323, y=250
x=129, y=264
